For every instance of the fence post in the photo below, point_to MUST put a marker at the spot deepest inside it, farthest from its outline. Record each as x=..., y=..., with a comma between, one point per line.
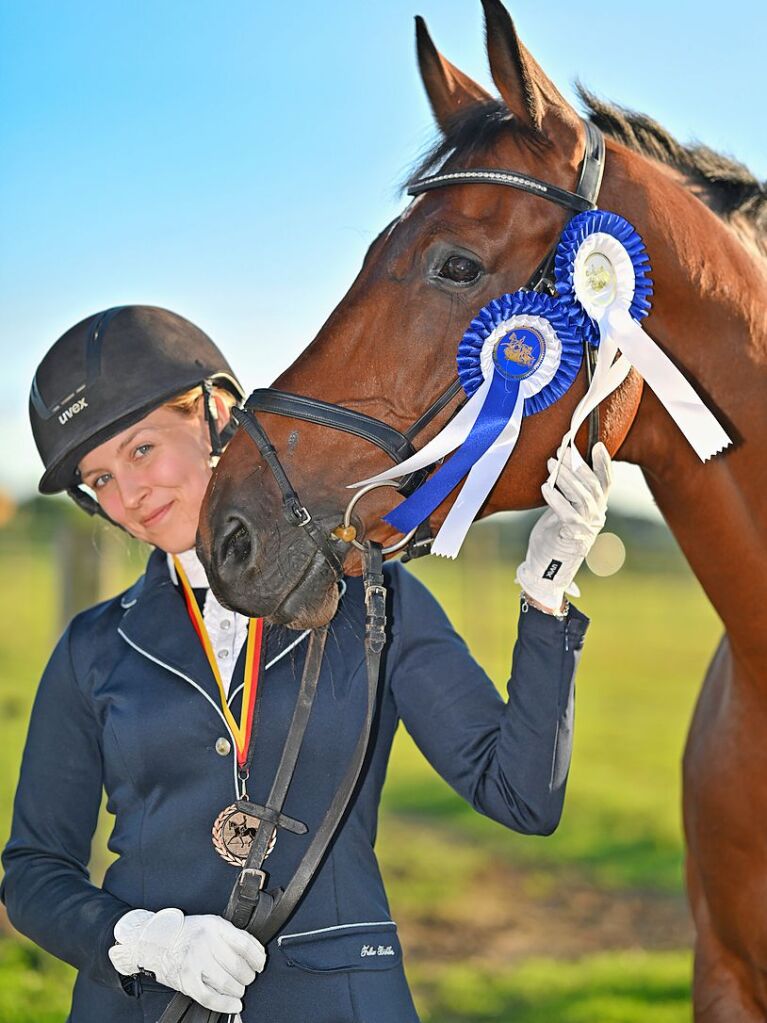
x=79, y=568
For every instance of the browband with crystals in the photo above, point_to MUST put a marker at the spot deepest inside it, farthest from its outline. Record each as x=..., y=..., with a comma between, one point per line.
x=583, y=198
x=523, y=182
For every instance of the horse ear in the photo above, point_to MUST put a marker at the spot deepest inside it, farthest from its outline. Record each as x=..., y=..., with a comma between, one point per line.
x=450, y=91
x=524, y=86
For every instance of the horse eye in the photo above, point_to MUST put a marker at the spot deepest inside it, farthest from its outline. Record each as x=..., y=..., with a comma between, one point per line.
x=460, y=269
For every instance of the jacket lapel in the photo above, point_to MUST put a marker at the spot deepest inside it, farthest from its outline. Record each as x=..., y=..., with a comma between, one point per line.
x=157, y=625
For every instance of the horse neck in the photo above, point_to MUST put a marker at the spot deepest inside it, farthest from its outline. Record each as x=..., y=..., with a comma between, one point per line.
x=708, y=315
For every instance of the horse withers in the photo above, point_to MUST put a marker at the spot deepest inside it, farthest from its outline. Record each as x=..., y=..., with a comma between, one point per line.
x=388, y=351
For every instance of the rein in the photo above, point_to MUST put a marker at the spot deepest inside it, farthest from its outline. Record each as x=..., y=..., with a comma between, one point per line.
x=251, y=907
x=399, y=446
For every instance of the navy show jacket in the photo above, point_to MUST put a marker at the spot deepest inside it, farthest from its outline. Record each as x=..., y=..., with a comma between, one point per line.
x=128, y=704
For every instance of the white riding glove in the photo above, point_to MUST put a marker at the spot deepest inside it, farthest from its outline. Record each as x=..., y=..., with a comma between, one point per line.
x=205, y=957
x=564, y=534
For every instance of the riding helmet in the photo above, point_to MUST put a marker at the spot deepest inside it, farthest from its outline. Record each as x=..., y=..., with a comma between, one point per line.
x=108, y=372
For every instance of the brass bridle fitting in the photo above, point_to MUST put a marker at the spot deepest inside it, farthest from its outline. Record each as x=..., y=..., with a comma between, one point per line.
x=348, y=533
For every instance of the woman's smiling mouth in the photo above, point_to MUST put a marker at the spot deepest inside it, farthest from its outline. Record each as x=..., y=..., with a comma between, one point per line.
x=156, y=516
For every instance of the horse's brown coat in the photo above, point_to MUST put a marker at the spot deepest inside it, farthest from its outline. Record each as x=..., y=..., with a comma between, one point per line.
x=388, y=350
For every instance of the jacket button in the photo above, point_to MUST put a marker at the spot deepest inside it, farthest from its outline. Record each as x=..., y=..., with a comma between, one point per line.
x=223, y=747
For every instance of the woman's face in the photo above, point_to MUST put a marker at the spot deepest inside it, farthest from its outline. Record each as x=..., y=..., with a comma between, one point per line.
x=151, y=478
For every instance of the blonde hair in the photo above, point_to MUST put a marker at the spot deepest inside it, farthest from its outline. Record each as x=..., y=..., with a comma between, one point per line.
x=188, y=402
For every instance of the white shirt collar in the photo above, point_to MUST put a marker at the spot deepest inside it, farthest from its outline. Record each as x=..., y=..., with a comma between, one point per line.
x=192, y=565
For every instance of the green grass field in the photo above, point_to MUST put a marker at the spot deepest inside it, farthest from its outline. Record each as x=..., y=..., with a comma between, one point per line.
x=586, y=926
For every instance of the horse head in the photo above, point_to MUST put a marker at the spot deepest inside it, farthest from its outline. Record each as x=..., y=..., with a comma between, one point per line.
x=389, y=348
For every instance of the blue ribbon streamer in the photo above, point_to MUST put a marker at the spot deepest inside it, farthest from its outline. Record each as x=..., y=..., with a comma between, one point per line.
x=500, y=400
x=493, y=417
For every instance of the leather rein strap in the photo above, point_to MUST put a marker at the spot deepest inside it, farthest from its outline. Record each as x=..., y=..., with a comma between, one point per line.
x=250, y=907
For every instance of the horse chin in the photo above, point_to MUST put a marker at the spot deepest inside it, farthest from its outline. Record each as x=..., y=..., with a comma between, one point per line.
x=299, y=610
x=308, y=600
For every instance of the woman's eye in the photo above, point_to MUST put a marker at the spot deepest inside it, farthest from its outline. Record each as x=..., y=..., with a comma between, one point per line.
x=101, y=481
x=142, y=450
x=460, y=270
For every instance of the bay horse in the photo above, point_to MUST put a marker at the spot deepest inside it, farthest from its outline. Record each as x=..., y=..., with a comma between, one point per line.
x=388, y=350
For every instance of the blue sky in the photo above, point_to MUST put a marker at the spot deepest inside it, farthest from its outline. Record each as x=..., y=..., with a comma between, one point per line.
x=233, y=161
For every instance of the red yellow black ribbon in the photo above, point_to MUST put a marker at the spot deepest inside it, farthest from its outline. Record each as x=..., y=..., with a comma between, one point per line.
x=241, y=731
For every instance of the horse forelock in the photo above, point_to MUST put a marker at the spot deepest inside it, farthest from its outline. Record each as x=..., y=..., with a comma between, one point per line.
x=472, y=132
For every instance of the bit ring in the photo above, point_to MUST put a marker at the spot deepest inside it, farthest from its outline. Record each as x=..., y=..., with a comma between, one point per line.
x=352, y=504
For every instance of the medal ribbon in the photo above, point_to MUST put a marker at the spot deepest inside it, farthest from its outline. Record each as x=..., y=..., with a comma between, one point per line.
x=240, y=732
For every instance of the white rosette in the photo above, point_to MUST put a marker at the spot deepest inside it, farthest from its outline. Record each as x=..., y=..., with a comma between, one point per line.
x=602, y=277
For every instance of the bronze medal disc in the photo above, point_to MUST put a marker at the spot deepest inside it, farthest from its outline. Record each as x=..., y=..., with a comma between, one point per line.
x=233, y=834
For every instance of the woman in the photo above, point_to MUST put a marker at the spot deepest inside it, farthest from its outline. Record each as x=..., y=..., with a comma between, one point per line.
x=133, y=404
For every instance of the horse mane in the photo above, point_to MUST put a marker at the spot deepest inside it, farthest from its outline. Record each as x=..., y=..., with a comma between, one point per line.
x=725, y=185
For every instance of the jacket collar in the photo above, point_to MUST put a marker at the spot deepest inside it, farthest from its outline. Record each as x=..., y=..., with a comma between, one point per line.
x=155, y=622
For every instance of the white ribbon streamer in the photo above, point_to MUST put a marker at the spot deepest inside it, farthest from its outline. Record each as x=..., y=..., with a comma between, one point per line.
x=604, y=281
x=694, y=419
x=484, y=474
x=608, y=376
x=478, y=484
x=447, y=440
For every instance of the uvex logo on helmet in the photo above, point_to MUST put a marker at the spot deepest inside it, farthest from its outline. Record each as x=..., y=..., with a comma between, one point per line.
x=72, y=411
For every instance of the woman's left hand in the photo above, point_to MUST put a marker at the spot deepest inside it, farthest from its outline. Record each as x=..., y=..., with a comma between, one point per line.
x=565, y=533
x=205, y=957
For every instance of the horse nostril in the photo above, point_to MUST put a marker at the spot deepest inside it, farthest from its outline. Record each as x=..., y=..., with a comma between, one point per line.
x=237, y=543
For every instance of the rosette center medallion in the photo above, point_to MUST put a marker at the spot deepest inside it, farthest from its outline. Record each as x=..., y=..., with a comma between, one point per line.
x=599, y=279
x=519, y=353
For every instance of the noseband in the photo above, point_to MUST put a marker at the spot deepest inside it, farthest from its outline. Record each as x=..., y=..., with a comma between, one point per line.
x=396, y=445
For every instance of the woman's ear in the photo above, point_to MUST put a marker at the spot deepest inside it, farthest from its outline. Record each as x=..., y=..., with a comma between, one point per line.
x=221, y=423
x=223, y=411
x=214, y=416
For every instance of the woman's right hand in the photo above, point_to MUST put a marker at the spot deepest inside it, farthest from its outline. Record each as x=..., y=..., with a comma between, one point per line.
x=205, y=957
x=565, y=533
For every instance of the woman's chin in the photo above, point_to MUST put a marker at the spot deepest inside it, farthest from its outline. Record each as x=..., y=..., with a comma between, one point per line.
x=170, y=541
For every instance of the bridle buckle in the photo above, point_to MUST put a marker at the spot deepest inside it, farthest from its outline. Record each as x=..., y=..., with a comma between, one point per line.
x=247, y=873
x=306, y=517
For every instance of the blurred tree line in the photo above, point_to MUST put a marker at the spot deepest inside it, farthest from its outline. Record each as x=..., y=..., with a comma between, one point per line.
x=95, y=560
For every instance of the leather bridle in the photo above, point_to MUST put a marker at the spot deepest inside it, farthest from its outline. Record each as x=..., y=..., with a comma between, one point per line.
x=397, y=445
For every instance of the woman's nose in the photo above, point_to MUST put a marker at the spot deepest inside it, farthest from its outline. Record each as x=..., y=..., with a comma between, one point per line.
x=133, y=490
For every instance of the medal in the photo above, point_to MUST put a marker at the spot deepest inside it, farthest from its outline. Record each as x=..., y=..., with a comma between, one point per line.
x=233, y=832
x=234, y=828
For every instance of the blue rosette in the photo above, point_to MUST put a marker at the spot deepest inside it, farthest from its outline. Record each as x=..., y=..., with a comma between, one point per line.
x=503, y=308
x=519, y=355
x=602, y=273
x=575, y=235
